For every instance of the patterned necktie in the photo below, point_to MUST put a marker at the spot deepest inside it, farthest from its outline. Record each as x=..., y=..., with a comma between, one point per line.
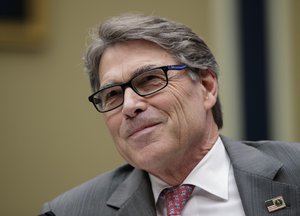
x=176, y=197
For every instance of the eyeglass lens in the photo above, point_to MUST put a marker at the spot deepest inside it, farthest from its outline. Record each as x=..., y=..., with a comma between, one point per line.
x=144, y=84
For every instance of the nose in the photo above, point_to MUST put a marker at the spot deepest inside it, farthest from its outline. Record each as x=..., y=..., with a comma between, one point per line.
x=133, y=103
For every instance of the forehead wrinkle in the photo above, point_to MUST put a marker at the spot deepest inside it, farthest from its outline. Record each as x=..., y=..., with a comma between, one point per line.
x=111, y=80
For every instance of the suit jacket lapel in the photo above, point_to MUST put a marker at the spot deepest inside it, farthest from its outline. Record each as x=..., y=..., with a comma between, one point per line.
x=134, y=196
x=254, y=174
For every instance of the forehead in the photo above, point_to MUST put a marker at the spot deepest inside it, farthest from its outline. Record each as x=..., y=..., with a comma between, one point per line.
x=119, y=61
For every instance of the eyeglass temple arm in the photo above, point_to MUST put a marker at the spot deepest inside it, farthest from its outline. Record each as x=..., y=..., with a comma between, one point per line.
x=177, y=67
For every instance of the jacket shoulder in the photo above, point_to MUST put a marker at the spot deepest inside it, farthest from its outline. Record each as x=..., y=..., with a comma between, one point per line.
x=90, y=196
x=285, y=152
x=277, y=149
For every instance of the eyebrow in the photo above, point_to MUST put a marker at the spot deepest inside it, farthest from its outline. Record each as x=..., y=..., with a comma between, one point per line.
x=135, y=73
x=141, y=70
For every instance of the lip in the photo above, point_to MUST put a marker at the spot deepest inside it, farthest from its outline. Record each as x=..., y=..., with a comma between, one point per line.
x=140, y=129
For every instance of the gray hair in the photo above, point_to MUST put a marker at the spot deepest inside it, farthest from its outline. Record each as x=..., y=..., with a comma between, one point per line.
x=177, y=39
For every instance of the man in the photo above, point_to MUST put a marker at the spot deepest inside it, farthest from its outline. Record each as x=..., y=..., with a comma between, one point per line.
x=155, y=81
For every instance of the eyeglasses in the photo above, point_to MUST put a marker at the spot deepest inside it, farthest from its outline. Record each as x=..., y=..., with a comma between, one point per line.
x=146, y=83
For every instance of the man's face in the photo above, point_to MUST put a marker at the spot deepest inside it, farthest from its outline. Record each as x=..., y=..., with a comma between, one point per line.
x=155, y=131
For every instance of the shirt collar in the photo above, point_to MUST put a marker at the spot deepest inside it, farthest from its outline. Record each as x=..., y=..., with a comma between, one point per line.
x=210, y=174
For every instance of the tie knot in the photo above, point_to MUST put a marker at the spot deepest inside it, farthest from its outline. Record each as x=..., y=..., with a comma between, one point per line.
x=176, y=197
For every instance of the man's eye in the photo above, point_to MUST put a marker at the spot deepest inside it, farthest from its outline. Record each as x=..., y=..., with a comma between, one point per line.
x=113, y=94
x=151, y=78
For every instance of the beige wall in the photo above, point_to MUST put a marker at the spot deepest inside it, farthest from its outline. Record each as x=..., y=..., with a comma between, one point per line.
x=295, y=16
x=51, y=138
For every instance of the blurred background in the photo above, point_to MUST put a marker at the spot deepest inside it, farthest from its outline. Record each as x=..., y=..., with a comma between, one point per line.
x=52, y=139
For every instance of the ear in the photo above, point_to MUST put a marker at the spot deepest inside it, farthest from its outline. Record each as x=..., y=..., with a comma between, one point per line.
x=210, y=88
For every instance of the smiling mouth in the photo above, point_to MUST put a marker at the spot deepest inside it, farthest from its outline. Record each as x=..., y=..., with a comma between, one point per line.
x=143, y=129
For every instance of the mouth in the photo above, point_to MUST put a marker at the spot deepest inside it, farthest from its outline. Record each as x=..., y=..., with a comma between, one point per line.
x=142, y=129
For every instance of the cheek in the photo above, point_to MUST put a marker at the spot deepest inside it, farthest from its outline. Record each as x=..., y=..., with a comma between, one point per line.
x=113, y=123
x=174, y=104
x=185, y=106
x=184, y=100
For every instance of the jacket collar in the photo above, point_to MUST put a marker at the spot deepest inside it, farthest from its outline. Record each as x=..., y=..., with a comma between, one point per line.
x=134, y=196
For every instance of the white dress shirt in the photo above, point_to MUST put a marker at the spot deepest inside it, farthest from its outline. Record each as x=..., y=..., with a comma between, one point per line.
x=215, y=192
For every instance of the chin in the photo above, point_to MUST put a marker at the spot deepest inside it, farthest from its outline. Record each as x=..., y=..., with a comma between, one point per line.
x=145, y=155
x=148, y=162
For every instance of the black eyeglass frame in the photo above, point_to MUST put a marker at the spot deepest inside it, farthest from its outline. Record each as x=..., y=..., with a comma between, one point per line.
x=123, y=86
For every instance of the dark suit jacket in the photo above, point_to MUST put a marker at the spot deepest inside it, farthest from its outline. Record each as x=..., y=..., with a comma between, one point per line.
x=263, y=170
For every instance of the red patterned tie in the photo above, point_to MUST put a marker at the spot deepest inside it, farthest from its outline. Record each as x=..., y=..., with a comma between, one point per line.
x=176, y=197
